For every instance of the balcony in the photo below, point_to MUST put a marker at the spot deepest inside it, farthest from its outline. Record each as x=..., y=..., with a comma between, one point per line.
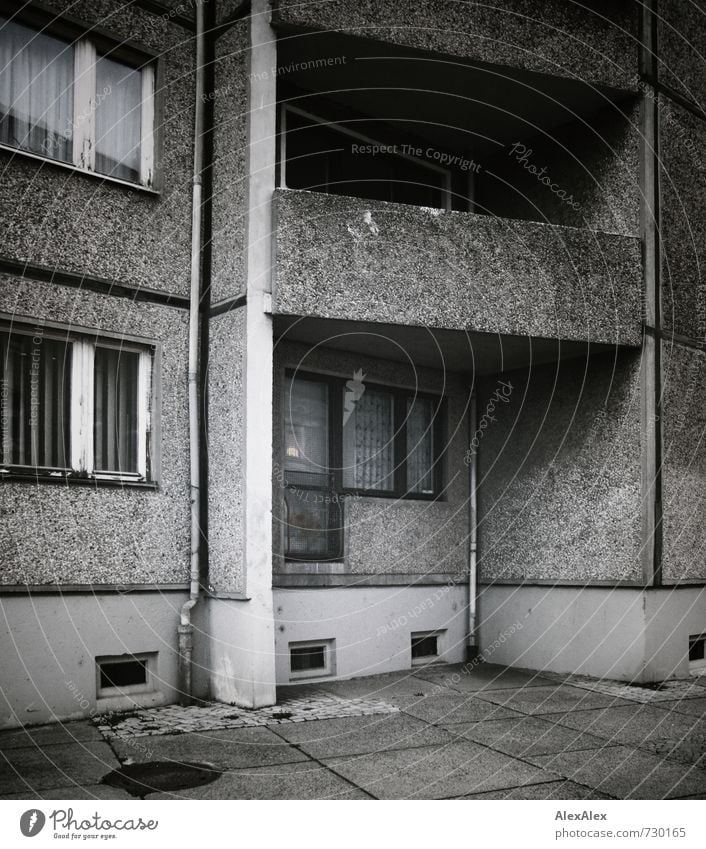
x=360, y=260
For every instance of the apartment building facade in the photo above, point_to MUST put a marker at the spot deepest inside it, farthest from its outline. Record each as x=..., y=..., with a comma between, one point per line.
x=339, y=338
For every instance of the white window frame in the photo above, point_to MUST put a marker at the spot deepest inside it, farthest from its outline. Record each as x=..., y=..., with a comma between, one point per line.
x=697, y=667
x=287, y=107
x=149, y=686
x=329, y=647
x=82, y=404
x=426, y=659
x=85, y=99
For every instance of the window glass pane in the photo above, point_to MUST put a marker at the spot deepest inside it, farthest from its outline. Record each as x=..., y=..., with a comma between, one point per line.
x=34, y=402
x=118, y=119
x=306, y=429
x=115, y=431
x=368, y=437
x=36, y=91
x=420, y=446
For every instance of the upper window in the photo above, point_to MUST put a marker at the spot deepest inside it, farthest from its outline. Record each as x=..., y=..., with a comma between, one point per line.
x=74, y=405
x=324, y=156
x=343, y=437
x=75, y=103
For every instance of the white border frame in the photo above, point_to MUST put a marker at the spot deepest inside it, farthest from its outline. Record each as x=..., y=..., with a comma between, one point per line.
x=329, y=668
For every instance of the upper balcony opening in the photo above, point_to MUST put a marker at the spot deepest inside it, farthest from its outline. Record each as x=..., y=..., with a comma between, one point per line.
x=372, y=120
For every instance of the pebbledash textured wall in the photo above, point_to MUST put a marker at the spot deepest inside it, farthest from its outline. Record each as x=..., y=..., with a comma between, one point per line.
x=559, y=473
x=79, y=534
x=339, y=257
x=389, y=536
x=76, y=222
x=684, y=464
x=230, y=165
x=225, y=445
x=592, y=40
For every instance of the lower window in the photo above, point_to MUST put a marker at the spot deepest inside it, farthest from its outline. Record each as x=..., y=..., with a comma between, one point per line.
x=425, y=646
x=124, y=675
x=74, y=405
x=311, y=659
x=697, y=653
x=352, y=437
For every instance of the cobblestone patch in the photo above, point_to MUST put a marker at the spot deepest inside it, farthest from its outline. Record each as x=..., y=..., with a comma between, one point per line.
x=668, y=691
x=215, y=715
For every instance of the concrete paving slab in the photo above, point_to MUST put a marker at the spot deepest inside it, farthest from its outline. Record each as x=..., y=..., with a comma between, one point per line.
x=293, y=781
x=626, y=773
x=454, y=707
x=526, y=735
x=694, y=707
x=387, y=687
x=561, y=790
x=436, y=772
x=60, y=765
x=233, y=749
x=358, y=735
x=469, y=678
x=49, y=735
x=650, y=727
x=74, y=793
x=557, y=699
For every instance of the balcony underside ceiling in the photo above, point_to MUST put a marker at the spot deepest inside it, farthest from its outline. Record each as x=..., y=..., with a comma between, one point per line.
x=458, y=351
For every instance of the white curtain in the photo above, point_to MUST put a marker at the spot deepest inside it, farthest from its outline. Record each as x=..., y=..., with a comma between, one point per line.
x=36, y=91
x=118, y=119
x=420, y=446
x=306, y=432
x=368, y=437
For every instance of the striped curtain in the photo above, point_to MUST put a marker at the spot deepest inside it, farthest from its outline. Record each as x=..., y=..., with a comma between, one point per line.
x=420, y=446
x=34, y=401
x=118, y=119
x=368, y=441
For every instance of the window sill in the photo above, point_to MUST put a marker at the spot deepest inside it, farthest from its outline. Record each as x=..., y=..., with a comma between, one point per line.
x=69, y=166
x=64, y=479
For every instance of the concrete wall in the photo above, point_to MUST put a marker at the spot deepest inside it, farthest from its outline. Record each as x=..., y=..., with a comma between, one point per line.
x=104, y=534
x=681, y=36
x=559, y=473
x=371, y=626
x=50, y=642
x=595, y=163
x=225, y=445
x=619, y=633
x=593, y=41
x=684, y=464
x=386, y=536
x=230, y=169
x=682, y=220
x=77, y=222
x=339, y=257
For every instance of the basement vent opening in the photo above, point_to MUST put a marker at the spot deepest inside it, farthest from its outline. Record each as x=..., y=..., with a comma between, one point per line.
x=311, y=659
x=425, y=646
x=697, y=653
x=125, y=674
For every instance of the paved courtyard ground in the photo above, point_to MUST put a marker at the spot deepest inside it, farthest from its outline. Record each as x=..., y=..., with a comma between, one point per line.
x=480, y=732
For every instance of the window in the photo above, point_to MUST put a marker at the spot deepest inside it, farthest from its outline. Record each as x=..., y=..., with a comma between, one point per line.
x=697, y=653
x=74, y=405
x=125, y=674
x=76, y=102
x=425, y=646
x=324, y=156
x=352, y=437
x=311, y=659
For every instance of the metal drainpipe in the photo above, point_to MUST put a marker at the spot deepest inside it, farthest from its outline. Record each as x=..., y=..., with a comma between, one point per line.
x=186, y=629
x=472, y=646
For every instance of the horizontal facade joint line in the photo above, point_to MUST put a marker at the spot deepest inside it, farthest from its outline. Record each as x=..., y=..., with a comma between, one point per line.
x=678, y=338
x=227, y=305
x=684, y=102
x=168, y=13
x=90, y=589
x=101, y=285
